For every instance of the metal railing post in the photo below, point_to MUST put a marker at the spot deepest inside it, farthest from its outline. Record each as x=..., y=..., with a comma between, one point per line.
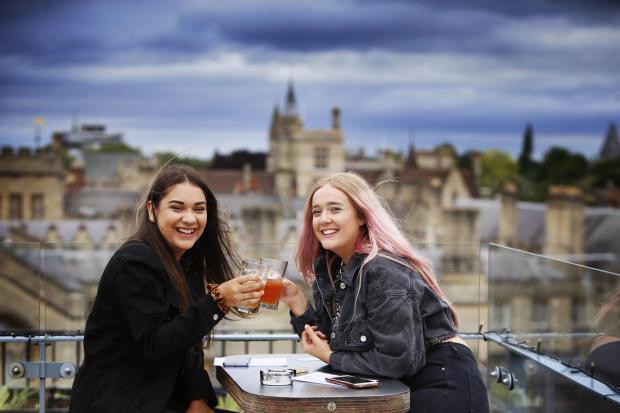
x=42, y=359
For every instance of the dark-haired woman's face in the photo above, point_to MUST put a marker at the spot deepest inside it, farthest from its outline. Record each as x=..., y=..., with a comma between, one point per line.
x=181, y=217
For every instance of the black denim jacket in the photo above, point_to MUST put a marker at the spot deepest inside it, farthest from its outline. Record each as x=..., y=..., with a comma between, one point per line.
x=386, y=333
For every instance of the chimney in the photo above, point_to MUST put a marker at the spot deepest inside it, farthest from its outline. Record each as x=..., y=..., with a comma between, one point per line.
x=508, y=218
x=564, y=221
x=336, y=118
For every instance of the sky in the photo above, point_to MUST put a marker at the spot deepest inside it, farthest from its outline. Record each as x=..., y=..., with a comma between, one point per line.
x=193, y=77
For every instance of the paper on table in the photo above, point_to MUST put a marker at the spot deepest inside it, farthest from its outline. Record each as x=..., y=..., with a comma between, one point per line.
x=268, y=362
x=318, y=378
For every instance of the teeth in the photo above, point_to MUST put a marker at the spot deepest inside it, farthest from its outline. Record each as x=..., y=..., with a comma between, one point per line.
x=185, y=231
x=328, y=231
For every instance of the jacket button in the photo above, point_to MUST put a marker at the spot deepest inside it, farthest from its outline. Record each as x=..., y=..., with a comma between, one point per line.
x=343, y=286
x=215, y=317
x=363, y=339
x=333, y=335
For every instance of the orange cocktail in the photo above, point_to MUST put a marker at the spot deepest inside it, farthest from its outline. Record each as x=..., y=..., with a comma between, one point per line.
x=271, y=297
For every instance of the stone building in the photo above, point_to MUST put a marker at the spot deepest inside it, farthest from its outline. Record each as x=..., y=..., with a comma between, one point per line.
x=32, y=184
x=298, y=157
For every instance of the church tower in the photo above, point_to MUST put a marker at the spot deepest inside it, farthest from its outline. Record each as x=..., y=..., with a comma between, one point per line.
x=299, y=157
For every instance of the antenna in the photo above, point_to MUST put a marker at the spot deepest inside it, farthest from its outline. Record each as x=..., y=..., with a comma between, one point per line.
x=38, y=125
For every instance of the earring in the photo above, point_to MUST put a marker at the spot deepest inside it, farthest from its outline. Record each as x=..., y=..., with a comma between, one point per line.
x=151, y=219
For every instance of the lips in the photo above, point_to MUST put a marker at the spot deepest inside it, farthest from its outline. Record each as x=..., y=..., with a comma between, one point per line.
x=186, y=232
x=328, y=231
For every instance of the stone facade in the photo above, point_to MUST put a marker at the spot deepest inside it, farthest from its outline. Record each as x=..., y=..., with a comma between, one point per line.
x=299, y=157
x=31, y=184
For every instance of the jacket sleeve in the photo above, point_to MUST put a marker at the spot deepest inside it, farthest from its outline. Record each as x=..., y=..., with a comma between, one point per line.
x=143, y=306
x=395, y=323
x=314, y=316
x=199, y=385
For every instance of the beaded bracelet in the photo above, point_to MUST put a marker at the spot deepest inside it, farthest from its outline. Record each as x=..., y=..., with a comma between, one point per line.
x=217, y=297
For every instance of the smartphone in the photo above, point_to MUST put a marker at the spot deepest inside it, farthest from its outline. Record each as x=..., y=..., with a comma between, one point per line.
x=353, y=382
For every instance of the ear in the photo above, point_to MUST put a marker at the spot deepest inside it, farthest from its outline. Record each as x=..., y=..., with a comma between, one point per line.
x=360, y=222
x=150, y=211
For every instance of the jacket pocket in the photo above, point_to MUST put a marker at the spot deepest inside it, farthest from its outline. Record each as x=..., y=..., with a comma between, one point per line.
x=359, y=338
x=318, y=302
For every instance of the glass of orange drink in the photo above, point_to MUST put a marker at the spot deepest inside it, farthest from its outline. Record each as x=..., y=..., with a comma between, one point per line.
x=273, y=286
x=250, y=266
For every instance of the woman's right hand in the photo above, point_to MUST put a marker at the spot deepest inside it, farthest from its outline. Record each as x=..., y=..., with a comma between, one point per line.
x=293, y=297
x=245, y=290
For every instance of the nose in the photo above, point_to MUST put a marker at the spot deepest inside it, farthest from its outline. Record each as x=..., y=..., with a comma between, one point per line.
x=324, y=218
x=189, y=218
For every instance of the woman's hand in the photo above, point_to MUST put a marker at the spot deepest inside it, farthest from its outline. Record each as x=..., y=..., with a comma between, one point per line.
x=314, y=343
x=293, y=297
x=245, y=290
x=199, y=406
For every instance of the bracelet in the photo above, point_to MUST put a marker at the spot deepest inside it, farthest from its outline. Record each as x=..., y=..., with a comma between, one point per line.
x=217, y=297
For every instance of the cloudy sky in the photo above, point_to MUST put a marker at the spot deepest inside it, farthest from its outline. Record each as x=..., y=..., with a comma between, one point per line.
x=196, y=76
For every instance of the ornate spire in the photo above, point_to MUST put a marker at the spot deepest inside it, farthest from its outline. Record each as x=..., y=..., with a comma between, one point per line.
x=411, y=162
x=290, y=109
x=611, y=146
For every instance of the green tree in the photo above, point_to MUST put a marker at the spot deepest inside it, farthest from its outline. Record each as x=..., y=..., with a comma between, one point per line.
x=606, y=173
x=171, y=158
x=561, y=167
x=115, y=147
x=447, y=146
x=526, y=164
x=497, y=167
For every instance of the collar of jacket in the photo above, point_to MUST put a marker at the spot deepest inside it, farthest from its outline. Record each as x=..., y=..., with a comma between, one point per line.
x=322, y=276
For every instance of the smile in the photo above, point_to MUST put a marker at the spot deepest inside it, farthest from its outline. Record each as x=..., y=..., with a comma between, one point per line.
x=329, y=231
x=186, y=231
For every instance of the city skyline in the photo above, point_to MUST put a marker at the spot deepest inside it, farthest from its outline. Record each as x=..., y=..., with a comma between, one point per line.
x=198, y=77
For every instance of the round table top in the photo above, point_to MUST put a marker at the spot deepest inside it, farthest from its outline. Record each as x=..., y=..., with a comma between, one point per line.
x=243, y=384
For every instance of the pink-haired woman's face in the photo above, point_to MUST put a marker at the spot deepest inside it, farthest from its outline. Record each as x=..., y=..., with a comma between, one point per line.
x=335, y=221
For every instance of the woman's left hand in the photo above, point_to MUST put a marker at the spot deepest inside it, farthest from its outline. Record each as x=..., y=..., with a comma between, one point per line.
x=199, y=406
x=315, y=345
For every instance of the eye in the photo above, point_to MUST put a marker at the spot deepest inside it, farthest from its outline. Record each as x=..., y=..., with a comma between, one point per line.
x=335, y=209
x=176, y=208
x=316, y=212
x=200, y=209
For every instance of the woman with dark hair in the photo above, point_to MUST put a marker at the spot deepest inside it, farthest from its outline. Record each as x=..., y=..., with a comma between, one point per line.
x=378, y=309
x=163, y=291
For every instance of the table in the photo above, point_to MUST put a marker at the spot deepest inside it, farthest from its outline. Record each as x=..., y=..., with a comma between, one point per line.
x=243, y=384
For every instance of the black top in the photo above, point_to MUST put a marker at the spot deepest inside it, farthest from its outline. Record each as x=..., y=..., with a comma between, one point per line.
x=136, y=339
x=388, y=316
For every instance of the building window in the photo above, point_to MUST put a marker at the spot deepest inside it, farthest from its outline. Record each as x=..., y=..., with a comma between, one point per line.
x=579, y=313
x=15, y=206
x=320, y=157
x=501, y=315
x=38, y=208
x=540, y=314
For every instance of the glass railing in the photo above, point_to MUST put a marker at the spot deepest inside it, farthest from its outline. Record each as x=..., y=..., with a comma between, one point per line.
x=59, y=284
x=544, y=306
x=559, y=322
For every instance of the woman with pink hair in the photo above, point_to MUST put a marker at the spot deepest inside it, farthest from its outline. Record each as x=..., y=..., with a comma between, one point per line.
x=378, y=309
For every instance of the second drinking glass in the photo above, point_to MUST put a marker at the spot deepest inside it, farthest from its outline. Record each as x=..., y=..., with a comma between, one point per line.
x=273, y=287
x=256, y=267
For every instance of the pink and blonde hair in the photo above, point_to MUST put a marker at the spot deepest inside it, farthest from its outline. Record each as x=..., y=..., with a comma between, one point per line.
x=379, y=234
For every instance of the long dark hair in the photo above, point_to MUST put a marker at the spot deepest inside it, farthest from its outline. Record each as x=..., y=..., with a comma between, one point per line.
x=212, y=255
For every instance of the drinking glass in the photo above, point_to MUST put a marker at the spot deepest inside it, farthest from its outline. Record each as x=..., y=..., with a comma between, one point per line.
x=273, y=286
x=250, y=266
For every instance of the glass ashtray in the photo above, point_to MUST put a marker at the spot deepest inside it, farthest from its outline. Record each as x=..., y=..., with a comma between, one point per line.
x=276, y=377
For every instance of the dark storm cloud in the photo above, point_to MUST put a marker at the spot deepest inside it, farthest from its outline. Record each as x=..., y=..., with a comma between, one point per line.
x=445, y=25
x=317, y=27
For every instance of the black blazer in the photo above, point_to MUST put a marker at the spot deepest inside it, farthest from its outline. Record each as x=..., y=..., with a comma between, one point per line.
x=137, y=340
